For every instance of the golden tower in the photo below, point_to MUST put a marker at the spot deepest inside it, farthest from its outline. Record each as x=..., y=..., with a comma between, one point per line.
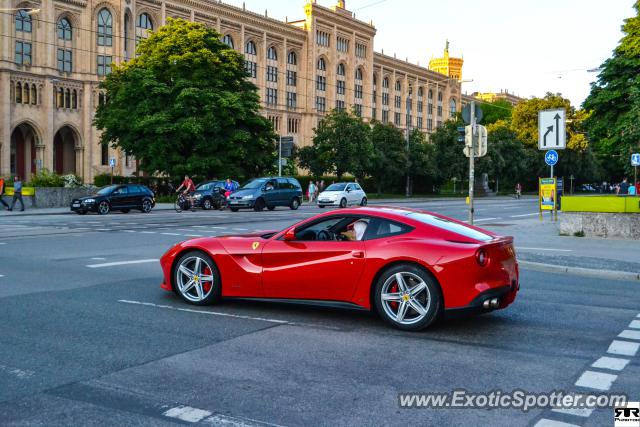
x=447, y=65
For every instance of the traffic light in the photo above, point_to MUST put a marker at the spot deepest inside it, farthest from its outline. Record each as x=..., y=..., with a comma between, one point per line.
x=461, y=130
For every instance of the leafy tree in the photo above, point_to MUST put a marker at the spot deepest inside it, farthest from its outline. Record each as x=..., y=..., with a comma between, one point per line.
x=389, y=157
x=342, y=143
x=614, y=102
x=449, y=157
x=184, y=105
x=421, y=165
x=494, y=111
x=309, y=158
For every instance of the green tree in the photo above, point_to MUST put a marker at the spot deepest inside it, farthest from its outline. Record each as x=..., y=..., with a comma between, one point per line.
x=494, y=111
x=310, y=159
x=614, y=103
x=388, y=162
x=422, y=168
x=449, y=157
x=342, y=142
x=184, y=105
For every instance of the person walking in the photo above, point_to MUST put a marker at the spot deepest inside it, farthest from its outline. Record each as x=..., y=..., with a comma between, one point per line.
x=623, y=187
x=632, y=190
x=518, y=190
x=311, y=191
x=6, y=206
x=17, y=194
x=321, y=188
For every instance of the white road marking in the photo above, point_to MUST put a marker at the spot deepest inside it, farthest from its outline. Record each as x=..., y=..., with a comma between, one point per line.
x=596, y=380
x=148, y=232
x=638, y=315
x=112, y=264
x=193, y=235
x=1, y=275
x=543, y=249
x=523, y=215
x=631, y=335
x=129, y=231
x=187, y=413
x=81, y=229
x=544, y=422
x=485, y=219
x=221, y=228
x=635, y=324
x=171, y=234
x=623, y=348
x=578, y=412
x=228, y=421
x=22, y=374
x=103, y=229
x=612, y=363
x=199, y=226
x=240, y=229
x=3, y=243
x=98, y=258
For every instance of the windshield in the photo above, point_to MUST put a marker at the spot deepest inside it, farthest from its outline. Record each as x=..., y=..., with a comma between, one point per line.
x=336, y=187
x=454, y=227
x=253, y=184
x=106, y=190
x=205, y=186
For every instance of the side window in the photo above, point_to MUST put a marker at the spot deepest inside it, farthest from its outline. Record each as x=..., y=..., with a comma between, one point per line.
x=121, y=191
x=349, y=187
x=358, y=187
x=272, y=184
x=379, y=227
x=295, y=185
x=319, y=231
x=283, y=183
x=336, y=229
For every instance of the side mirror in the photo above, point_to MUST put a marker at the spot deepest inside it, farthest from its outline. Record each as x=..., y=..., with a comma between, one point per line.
x=348, y=190
x=290, y=235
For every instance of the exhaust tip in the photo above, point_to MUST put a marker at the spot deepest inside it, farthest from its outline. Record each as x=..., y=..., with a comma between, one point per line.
x=486, y=304
x=495, y=303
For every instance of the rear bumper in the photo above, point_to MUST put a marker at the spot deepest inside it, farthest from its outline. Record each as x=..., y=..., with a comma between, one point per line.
x=505, y=294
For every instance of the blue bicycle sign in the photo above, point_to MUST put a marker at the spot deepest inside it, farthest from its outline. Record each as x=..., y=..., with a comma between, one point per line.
x=551, y=157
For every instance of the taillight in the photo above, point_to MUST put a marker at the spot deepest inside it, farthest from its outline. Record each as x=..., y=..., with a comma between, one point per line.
x=482, y=257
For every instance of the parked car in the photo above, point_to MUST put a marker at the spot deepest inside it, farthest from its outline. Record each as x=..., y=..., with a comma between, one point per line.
x=342, y=194
x=119, y=197
x=210, y=194
x=267, y=192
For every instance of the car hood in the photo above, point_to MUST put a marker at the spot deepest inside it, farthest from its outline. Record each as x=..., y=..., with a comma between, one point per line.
x=331, y=193
x=93, y=196
x=241, y=193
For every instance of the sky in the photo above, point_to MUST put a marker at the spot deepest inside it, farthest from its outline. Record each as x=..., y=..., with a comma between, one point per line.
x=528, y=47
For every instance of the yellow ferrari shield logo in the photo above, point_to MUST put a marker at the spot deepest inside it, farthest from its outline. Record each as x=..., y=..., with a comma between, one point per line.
x=255, y=245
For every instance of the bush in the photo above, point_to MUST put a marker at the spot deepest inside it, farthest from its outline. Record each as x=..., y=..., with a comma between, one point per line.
x=44, y=178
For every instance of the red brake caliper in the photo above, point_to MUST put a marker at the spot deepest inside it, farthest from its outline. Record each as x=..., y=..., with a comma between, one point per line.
x=206, y=286
x=394, y=304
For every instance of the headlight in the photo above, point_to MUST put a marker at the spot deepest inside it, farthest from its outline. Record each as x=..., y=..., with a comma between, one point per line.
x=88, y=201
x=250, y=196
x=197, y=196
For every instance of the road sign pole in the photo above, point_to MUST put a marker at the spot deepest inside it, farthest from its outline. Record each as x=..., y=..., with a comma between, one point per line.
x=551, y=172
x=280, y=156
x=471, y=163
x=111, y=175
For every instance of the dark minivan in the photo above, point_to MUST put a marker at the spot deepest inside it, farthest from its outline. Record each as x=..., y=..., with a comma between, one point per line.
x=118, y=197
x=267, y=192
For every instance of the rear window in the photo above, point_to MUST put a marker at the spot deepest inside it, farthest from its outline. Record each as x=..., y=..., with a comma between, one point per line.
x=454, y=227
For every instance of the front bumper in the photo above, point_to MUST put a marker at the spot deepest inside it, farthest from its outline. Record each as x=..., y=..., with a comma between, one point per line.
x=84, y=207
x=239, y=203
x=327, y=202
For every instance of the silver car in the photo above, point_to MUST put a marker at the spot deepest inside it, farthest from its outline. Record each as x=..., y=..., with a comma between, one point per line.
x=342, y=194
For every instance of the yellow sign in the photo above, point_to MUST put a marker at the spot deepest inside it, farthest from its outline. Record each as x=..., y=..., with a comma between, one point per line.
x=255, y=245
x=26, y=191
x=547, y=194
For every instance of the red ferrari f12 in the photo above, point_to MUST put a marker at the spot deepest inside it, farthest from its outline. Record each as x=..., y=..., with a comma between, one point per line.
x=408, y=265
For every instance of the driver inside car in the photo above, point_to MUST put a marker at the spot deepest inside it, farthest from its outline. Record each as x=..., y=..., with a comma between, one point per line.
x=355, y=230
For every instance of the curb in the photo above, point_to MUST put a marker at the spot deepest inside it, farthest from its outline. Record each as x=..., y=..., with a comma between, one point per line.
x=580, y=271
x=34, y=212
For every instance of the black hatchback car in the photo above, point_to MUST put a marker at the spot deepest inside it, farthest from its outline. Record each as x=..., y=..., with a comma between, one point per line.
x=119, y=197
x=210, y=194
x=260, y=193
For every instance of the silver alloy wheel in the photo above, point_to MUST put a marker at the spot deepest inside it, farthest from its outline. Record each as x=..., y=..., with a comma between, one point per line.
x=146, y=206
x=363, y=202
x=193, y=283
x=405, y=298
x=103, y=208
x=206, y=204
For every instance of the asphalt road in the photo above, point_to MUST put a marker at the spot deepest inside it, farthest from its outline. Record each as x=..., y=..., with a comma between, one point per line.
x=87, y=340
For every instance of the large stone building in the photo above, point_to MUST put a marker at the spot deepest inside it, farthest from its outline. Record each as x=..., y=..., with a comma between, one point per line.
x=53, y=54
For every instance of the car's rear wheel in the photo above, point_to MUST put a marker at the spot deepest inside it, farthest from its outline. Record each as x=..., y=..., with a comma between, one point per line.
x=407, y=297
x=271, y=207
x=124, y=211
x=234, y=209
x=259, y=205
x=343, y=203
x=363, y=202
x=321, y=206
x=104, y=208
x=146, y=206
x=207, y=204
x=295, y=203
x=196, y=278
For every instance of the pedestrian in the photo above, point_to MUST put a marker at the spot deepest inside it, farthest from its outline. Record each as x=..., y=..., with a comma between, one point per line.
x=518, y=190
x=17, y=194
x=632, y=190
x=318, y=191
x=623, y=187
x=638, y=188
x=321, y=188
x=6, y=206
x=311, y=191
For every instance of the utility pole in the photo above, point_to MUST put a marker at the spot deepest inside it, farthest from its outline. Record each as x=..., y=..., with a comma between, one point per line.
x=472, y=153
x=407, y=190
x=280, y=156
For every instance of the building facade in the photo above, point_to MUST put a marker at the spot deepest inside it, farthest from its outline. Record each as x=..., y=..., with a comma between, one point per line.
x=53, y=58
x=503, y=95
x=447, y=65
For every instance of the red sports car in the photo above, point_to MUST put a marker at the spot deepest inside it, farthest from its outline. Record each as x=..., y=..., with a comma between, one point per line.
x=409, y=265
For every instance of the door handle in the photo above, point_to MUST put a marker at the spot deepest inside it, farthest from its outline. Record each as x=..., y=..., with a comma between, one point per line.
x=357, y=254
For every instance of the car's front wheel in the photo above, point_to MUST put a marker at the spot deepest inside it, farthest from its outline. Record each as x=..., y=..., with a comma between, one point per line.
x=196, y=278
x=407, y=297
x=104, y=208
x=259, y=205
x=363, y=202
x=295, y=203
x=321, y=206
x=343, y=203
x=146, y=206
x=234, y=209
x=207, y=204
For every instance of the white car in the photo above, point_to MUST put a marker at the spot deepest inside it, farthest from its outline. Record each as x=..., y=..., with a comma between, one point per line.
x=342, y=194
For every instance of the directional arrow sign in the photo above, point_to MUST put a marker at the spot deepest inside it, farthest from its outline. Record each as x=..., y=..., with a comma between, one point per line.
x=552, y=133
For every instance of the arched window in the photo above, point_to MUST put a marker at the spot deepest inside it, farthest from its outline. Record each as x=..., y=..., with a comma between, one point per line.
x=34, y=95
x=430, y=95
x=420, y=92
x=292, y=59
x=398, y=85
x=452, y=107
x=127, y=20
x=100, y=98
x=375, y=80
x=67, y=99
x=322, y=65
x=60, y=98
x=105, y=28
x=228, y=40
x=358, y=90
x=23, y=21
x=19, y=93
x=340, y=71
x=385, y=82
x=250, y=48
x=439, y=96
x=26, y=93
x=64, y=29
x=144, y=24
x=359, y=74
x=272, y=54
